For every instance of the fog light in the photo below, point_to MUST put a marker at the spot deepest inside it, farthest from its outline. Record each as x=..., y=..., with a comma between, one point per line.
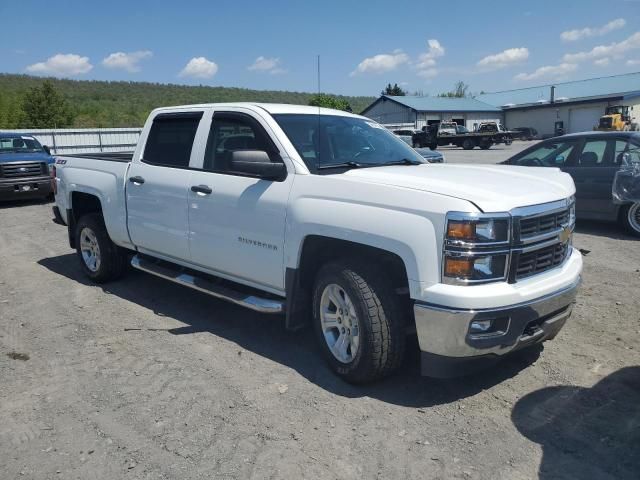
x=480, y=326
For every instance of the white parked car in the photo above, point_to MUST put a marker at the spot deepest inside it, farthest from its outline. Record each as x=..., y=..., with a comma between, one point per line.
x=327, y=217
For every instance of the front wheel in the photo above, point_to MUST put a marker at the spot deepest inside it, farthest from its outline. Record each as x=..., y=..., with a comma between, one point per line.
x=630, y=217
x=358, y=321
x=100, y=258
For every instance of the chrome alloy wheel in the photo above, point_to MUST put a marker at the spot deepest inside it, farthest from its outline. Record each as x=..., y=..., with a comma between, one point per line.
x=339, y=323
x=90, y=249
x=633, y=216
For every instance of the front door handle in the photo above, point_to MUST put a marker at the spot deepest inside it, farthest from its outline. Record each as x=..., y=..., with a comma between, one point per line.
x=138, y=180
x=204, y=189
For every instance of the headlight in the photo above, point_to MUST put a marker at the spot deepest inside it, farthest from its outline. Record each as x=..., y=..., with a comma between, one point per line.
x=474, y=268
x=572, y=211
x=476, y=248
x=467, y=229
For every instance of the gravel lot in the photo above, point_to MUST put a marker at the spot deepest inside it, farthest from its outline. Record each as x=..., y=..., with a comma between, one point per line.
x=145, y=379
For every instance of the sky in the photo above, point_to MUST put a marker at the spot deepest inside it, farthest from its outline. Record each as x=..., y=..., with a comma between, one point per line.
x=424, y=46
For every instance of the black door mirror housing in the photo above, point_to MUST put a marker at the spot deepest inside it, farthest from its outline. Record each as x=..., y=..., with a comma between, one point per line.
x=257, y=163
x=46, y=149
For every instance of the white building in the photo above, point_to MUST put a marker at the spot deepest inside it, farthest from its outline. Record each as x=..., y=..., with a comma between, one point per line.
x=421, y=111
x=578, y=104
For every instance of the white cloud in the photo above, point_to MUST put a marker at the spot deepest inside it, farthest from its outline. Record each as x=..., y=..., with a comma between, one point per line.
x=199, y=67
x=126, y=61
x=269, y=65
x=602, y=62
x=384, y=62
x=633, y=63
x=62, y=64
x=580, y=33
x=549, y=71
x=428, y=59
x=615, y=49
x=506, y=58
x=426, y=64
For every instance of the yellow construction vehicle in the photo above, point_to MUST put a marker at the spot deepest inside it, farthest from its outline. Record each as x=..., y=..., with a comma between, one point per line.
x=616, y=118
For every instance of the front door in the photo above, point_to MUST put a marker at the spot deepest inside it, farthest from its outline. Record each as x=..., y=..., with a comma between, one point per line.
x=237, y=222
x=157, y=187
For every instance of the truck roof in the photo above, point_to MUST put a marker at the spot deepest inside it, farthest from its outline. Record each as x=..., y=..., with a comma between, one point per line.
x=272, y=108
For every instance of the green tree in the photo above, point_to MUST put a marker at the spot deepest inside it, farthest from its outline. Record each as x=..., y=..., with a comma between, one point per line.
x=460, y=90
x=45, y=107
x=394, y=91
x=329, y=101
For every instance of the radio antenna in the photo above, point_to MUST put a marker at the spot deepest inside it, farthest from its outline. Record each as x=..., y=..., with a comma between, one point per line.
x=319, y=103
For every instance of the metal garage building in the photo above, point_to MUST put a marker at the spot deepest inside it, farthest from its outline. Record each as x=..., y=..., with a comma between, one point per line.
x=421, y=111
x=578, y=104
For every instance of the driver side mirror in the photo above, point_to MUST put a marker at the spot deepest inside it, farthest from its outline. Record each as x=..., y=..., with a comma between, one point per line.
x=46, y=149
x=257, y=163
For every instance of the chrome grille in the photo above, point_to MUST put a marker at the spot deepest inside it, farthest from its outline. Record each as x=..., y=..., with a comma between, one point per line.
x=543, y=224
x=540, y=260
x=18, y=170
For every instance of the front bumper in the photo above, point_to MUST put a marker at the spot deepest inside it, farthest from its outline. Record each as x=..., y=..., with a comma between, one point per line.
x=24, y=188
x=447, y=342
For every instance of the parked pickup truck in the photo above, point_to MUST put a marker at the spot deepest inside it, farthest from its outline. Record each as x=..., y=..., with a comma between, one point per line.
x=446, y=133
x=24, y=167
x=330, y=219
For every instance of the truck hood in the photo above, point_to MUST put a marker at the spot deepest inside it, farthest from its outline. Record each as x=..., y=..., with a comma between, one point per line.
x=492, y=188
x=25, y=157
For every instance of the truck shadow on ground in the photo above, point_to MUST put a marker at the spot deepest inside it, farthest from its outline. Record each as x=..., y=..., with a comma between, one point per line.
x=586, y=432
x=265, y=335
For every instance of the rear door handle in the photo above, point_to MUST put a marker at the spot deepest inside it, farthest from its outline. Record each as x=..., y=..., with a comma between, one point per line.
x=204, y=189
x=138, y=180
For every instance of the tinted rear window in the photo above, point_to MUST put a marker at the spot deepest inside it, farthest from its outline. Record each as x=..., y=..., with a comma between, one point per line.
x=171, y=139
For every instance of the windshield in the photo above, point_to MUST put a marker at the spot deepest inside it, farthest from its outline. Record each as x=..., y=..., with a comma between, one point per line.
x=19, y=144
x=331, y=140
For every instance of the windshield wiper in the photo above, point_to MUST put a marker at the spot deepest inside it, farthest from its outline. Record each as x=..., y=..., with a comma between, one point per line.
x=350, y=164
x=404, y=161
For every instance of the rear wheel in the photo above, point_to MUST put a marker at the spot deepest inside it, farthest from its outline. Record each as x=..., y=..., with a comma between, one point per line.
x=485, y=145
x=468, y=144
x=358, y=321
x=100, y=258
x=630, y=217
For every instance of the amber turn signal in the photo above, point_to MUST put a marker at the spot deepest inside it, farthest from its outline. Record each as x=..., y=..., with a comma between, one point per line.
x=458, y=267
x=461, y=230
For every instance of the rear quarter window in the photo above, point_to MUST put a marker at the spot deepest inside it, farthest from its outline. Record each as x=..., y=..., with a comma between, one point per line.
x=171, y=138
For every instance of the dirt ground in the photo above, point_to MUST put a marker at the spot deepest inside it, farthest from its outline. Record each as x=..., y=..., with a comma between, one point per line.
x=144, y=379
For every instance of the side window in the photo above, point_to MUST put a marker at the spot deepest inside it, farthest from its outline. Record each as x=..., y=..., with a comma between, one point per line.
x=171, y=139
x=230, y=133
x=621, y=147
x=595, y=154
x=549, y=154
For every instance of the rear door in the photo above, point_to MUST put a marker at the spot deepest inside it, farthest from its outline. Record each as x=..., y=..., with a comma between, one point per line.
x=158, y=185
x=593, y=172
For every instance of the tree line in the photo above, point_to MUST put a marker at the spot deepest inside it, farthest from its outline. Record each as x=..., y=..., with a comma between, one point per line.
x=33, y=102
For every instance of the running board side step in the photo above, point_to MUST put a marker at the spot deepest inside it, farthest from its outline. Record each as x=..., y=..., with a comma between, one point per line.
x=202, y=284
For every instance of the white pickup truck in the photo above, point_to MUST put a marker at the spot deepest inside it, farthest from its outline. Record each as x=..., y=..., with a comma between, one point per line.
x=330, y=219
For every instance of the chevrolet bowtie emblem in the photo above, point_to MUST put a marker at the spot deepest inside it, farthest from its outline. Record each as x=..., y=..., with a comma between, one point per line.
x=565, y=235
x=22, y=169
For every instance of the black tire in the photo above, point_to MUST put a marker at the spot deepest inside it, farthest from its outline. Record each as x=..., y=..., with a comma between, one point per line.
x=524, y=138
x=433, y=146
x=112, y=258
x=485, y=145
x=380, y=319
x=630, y=218
x=468, y=144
